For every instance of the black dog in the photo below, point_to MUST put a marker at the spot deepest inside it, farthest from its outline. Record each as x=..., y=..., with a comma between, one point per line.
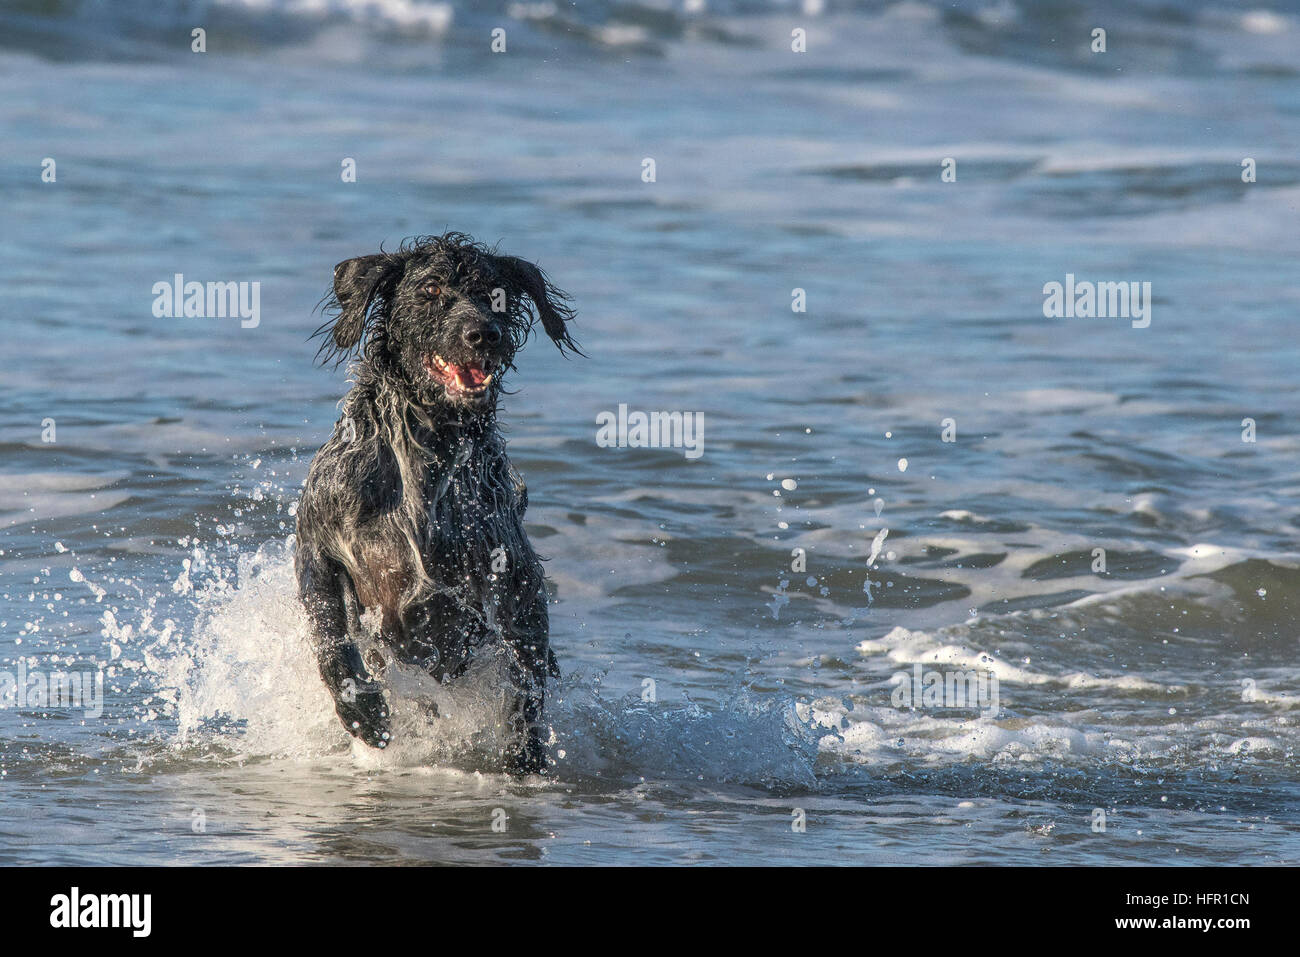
x=411, y=511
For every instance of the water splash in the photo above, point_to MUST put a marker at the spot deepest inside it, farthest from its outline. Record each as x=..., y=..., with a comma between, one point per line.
x=244, y=683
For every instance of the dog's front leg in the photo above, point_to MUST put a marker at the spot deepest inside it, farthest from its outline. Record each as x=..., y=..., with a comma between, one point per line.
x=331, y=604
x=525, y=753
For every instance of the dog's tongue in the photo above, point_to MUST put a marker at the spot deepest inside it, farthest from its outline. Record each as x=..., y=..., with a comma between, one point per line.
x=470, y=376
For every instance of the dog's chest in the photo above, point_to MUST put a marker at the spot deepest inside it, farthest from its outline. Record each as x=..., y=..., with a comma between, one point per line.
x=474, y=543
x=472, y=501
x=459, y=534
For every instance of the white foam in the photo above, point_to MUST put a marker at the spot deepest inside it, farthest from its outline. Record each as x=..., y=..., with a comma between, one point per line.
x=905, y=646
x=435, y=17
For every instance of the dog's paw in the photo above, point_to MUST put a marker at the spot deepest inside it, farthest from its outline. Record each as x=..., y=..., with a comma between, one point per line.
x=365, y=714
x=525, y=757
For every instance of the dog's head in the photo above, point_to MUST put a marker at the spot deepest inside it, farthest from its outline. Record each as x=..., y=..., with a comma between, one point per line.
x=444, y=315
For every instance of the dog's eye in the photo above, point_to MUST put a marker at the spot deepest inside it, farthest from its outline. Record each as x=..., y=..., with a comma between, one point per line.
x=432, y=290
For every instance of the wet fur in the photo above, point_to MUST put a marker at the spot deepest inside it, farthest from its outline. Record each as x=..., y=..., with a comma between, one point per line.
x=412, y=511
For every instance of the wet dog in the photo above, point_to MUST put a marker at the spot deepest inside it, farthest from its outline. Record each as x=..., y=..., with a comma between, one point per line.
x=411, y=512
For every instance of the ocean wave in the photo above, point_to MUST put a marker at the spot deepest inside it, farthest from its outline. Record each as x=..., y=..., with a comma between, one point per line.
x=1022, y=29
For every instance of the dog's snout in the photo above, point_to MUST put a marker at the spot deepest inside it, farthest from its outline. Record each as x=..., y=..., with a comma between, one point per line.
x=484, y=334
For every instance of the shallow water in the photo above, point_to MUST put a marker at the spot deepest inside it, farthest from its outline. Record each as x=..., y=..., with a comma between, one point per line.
x=152, y=537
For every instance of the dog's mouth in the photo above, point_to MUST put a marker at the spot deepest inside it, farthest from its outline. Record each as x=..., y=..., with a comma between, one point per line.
x=469, y=379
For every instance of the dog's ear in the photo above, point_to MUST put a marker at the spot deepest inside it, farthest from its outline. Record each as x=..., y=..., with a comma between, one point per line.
x=552, y=302
x=357, y=283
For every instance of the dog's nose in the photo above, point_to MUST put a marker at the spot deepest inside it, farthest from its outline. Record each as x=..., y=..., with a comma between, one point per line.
x=480, y=335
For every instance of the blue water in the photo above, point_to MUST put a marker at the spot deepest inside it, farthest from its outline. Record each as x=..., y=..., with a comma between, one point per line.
x=152, y=536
